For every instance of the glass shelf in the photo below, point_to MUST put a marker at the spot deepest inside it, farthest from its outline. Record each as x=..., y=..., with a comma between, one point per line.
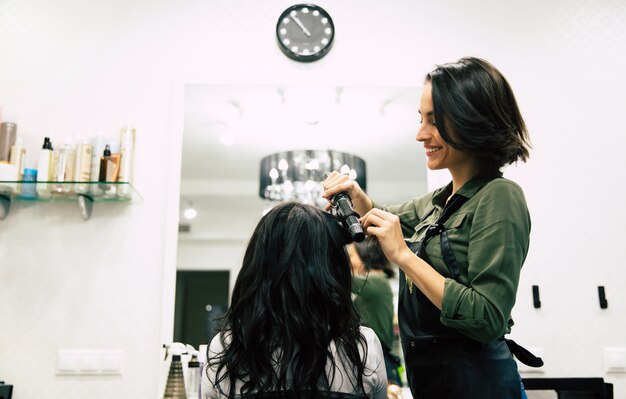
x=85, y=193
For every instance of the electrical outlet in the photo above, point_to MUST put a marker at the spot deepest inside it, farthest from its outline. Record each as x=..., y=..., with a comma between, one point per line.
x=68, y=362
x=89, y=362
x=111, y=362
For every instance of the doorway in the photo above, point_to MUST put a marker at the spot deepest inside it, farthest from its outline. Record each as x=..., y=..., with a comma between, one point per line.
x=201, y=298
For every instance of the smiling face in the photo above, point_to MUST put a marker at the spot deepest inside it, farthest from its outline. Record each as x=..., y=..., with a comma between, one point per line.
x=441, y=155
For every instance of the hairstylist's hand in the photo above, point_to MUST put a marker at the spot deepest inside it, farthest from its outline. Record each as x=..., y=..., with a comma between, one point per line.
x=337, y=183
x=386, y=227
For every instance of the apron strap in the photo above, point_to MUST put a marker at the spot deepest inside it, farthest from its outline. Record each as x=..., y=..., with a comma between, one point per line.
x=438, y=228
x=448, y=255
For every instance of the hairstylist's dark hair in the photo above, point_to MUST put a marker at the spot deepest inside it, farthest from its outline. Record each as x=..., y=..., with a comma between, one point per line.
x=290, y=301
x=373, y=256
x=476, y=111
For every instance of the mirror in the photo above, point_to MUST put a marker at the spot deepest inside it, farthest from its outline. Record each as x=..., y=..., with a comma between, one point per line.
x=228, y=129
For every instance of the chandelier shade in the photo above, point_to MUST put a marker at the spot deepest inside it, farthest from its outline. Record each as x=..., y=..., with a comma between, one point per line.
x=298, y=175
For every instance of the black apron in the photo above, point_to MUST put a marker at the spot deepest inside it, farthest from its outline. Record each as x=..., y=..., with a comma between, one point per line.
x=440, y=362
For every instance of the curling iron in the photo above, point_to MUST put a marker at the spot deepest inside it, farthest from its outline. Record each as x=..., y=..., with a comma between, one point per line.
x=349, y=218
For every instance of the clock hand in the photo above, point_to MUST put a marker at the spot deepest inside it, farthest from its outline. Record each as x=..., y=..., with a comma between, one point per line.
x=299, y=23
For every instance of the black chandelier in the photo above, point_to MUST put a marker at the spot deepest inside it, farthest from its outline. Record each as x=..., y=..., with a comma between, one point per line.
x=298, y=175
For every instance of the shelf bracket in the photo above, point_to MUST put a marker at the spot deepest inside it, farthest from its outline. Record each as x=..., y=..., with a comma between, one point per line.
x=85, y=206
x=5, y=206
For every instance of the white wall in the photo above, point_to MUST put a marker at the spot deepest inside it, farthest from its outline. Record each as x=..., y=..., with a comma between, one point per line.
x=108, y=283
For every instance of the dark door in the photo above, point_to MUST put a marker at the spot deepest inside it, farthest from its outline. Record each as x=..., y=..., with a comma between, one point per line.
x=201, y=297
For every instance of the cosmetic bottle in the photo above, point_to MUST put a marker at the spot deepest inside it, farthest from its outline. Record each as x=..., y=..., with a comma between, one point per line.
x=127, y=151
x=29, y=184
x=7, y=140
x=82, y=166
x=114, y=173
x=17, y=156
x=64, y=171
x=194, y=373
x=104, y=163
x=98, y=143
x=54, y=161
x=175, y=385
x=109, y=169
x=44, y=167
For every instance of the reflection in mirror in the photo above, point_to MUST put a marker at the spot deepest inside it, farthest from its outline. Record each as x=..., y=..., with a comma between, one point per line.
x=229, y=129
x=298, y=175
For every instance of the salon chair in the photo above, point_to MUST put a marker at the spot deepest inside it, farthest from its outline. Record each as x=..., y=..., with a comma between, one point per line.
x=572, y=388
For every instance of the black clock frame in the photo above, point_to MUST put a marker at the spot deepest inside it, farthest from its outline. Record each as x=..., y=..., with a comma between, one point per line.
x=299, y=57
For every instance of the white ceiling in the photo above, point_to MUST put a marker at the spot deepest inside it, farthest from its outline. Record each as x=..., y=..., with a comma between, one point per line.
x=376, y=123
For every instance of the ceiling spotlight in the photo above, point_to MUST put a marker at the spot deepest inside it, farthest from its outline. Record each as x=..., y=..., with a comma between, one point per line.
x=227, y=139
x=190, y=212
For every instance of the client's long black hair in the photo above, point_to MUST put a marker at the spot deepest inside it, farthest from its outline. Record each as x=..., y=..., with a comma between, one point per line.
x=290, y=301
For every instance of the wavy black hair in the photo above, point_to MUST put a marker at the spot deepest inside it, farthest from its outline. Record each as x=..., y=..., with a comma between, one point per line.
x=473, y=101
x=290, y=301
x=373, y=256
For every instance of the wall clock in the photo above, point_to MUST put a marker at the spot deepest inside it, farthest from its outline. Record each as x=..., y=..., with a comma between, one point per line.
x=305, y=32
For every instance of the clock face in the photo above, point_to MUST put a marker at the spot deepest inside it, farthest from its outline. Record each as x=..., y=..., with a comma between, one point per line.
x=305, y=32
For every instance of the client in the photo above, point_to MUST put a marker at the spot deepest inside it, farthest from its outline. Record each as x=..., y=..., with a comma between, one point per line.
x=291, y=329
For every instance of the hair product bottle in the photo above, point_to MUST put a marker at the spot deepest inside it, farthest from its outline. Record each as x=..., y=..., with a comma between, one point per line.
x=29, y=185
x=109, y=170
x=7, y=140
x=82, y=168
x=127, y=149
x=44, y=170
x=194, y=374
x=64, y=171
x=54, y=161
x=98, y=143
x=106, y=155
x=17, y=156
x=175, y=385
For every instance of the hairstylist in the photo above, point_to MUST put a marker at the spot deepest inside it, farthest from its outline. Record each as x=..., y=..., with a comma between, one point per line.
x=466, y=242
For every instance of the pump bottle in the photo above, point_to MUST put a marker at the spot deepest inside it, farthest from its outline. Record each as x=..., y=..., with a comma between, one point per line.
x=109, y=169
x=44, y=170
x=194, y=374
x=175, y=386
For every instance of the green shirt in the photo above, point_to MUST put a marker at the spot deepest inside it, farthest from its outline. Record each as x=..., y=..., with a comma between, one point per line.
x=374, y=302
x=489, y=235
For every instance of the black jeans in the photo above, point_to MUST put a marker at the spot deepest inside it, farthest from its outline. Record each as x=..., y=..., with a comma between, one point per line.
x=463, y=369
